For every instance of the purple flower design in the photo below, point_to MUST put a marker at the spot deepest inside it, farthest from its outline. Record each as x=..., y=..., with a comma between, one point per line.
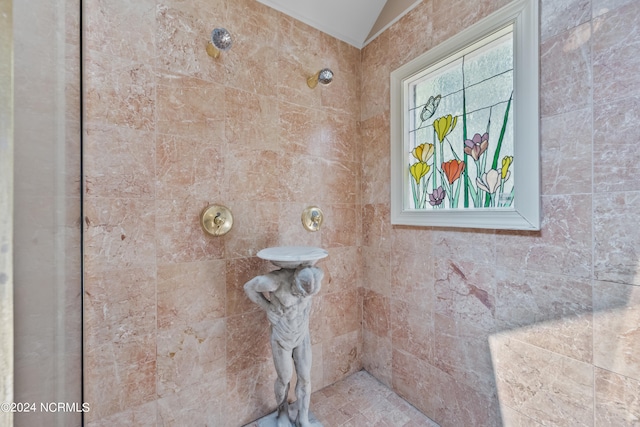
x=436, y=198
x=476, y=146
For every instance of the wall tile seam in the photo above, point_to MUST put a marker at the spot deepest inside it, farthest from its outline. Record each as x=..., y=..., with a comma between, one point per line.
x=563, y=31
x=592, y=272
x=546, y=350
x=609, y=371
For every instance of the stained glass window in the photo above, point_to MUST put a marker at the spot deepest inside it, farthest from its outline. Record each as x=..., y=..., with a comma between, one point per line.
x=460, y=130
x=465, y=146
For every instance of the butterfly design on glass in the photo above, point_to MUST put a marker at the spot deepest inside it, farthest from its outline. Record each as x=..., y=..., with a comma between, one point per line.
x=430, y=108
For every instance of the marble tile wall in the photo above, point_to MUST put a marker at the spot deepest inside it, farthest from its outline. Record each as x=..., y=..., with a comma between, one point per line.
x=531, y=329
x=170, y=338
x=491, y=328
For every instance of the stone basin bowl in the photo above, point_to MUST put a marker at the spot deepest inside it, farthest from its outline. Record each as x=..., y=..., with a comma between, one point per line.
x=293, y=256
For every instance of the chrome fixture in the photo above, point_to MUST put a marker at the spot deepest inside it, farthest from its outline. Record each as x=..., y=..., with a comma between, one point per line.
x=220, y=42
x=324, y=76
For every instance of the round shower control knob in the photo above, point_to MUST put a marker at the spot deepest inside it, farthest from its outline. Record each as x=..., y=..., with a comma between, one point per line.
x=216, y=220
x=312, y=218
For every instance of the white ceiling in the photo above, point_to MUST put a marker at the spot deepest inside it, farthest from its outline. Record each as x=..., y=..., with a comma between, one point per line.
x=351, y=21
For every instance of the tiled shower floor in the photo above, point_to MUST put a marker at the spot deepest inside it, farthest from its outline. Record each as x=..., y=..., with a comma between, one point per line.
x=362, y=401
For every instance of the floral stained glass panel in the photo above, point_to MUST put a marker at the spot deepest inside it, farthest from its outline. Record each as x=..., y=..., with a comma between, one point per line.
x=460, y=149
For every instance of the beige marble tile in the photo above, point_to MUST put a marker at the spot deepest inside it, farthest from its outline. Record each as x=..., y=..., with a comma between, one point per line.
x=601, y=7
x=290, y=231
x=117, y=234
x=376, y=274
x=179, y=235
x=189, y=166
x=118, y=162
x=566, y=155
x=119, y=376
x=316, y=132
x=450, y=17
x=376, y=226
x=250, y=392
x=191, y=355
x=415, y=240
x=121, y=28
x=562, y=246
x=119, y=306
x=553, y=312
x=141, y=416
x=616, y=241
x=188, y=106
x=616, y=321
x=616, y=53
x=342, y=97
x=339, y=228
x=252, y=176
x=419, y=383
x=565, y=73
x=545, y=386
x=341, y=314
x=376, y=310
x=511, y=417
x=119, y=92
x=251, y=63
x=558, y=16
x=190, y=293
x=412, y=278
x=317, y=368
x=374, y=82
x=412, y=329
x=466, y=292
x=458, y=244
x=297, y=179
x=615, y=161
x=376, y=356
x=342, y=356
x=183, y=30
x=412, y=35
x=247, y=341
x=340, y=182
x=462, y=351
x=617, y=401
x=255, y=227
x=251, y=121
x=374, y=154
x=340, y=269
x=300, y=55
x=202, y=403
x=238, y=272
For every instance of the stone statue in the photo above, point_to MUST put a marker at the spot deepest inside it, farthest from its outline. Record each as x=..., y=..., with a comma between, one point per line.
x=285, y=295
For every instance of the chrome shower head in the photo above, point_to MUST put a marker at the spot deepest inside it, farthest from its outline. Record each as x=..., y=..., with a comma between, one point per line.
x=220, y=41
x=324, y=76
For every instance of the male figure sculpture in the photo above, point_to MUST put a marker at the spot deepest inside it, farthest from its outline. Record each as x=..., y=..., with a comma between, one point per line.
x=287, y=303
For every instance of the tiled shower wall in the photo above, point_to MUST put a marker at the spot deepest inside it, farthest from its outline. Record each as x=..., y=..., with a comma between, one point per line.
x=485, y=328
x=473, y=327
x=170, y=338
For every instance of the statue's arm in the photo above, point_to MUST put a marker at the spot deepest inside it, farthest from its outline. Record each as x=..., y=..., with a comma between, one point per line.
x=256, y=286
x=309, y=279
x=318, y=274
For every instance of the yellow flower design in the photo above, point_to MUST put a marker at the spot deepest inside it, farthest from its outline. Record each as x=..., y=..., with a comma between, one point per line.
x=423, y=152
x=506, y=162
x=444, y=126
x=418, y=170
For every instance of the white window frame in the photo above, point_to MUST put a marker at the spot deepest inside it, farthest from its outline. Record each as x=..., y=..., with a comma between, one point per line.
x=525, y=214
